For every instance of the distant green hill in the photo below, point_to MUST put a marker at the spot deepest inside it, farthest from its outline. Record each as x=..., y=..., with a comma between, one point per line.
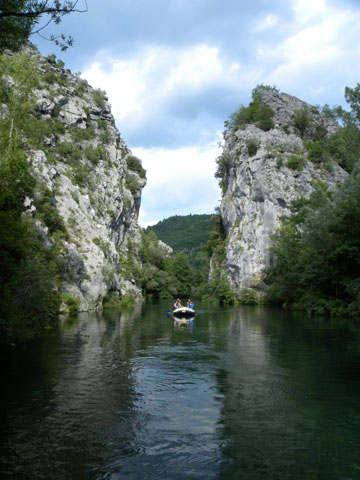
x=186, y=233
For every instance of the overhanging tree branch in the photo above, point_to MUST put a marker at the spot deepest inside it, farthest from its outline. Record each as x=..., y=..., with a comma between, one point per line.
x=18, y=18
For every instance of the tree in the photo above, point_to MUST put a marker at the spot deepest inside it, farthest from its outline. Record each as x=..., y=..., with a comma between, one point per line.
x=20, y=18
x=302, y=121
x=181, y=270
x=317, y=251
x=29, y=272
x=257, y=112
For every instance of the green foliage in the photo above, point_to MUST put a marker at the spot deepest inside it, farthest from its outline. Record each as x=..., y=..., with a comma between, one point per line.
x=257, y=113
x=99, y=97
x=252, y=145
x=316, y=150
x=81, y=87
x=216, y=243
x=163, y=276
x=132, y=184
x=317, y=252
x=103, y=245
x=184, y=233
x=60, y=64
x=14, y=31
x=29, y=273
x=45, y=204
x=19, y=17
x=295, y=162
x=247, y=297
x=302, y=120
x=343, y=146
x=81, y=175
x=113, y=300
x=80, y=134
x=49, y=77
x=223, y=170
x=96, y=154
x=69, y=152
x=181, y=270
x=135, y=165
x=218, y=290
x=72, y=303
x=156, y=278
x=51, y=59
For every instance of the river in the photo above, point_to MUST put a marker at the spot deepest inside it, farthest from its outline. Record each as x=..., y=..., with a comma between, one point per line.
x=239, y=393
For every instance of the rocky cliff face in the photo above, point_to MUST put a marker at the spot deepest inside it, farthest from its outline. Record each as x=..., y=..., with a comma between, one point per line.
x=263, y=172
x=93, y=180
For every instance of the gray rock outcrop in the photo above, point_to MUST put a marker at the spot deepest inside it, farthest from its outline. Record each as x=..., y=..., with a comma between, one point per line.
x=259, y=184
x=85, y=167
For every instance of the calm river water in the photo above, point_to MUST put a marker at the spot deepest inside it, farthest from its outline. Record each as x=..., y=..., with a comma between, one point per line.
x=241, y=393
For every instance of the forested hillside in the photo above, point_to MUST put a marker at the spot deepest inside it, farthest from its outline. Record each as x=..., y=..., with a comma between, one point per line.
x=184, y=233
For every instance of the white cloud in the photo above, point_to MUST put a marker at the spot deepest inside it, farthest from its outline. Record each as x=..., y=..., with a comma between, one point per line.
x=180, y=181
x=322, y=46
x=142, y=85
x=308, y=10
x=267, y=23
x=175, y=92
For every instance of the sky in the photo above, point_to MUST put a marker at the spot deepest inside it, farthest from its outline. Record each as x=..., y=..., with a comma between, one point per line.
x=174, y=70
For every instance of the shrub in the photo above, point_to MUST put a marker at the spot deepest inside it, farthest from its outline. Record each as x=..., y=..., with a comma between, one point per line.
x=135, y=165
x=315, y=150
x=81, y=175
x=113, y=300
x=295, y=162
x=81, y=87
x=51, y=58
x=96, y=154
x=45, y=204
x=257, y=113
x=49, y=77
x=72, y=303
x=223, y=170
x=252, y=145
x=99, y=97
x=302, y=121
x=79, y=134
x=132, y=184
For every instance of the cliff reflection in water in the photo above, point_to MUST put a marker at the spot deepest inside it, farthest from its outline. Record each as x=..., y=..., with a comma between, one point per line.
x=282, y=383
x=243, y=393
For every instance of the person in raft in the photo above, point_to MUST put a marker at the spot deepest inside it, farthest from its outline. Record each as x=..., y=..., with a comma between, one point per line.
x=190, y=304
x=177, y=304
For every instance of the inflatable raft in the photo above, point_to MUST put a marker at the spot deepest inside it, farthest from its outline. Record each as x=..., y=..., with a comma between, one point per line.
x=184, y=312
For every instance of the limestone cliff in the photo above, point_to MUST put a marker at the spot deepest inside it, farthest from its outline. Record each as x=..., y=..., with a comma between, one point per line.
x=262, y=172
x=90, y=176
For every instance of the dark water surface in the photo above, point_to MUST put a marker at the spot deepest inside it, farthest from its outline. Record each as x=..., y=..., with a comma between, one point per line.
x=243, y=393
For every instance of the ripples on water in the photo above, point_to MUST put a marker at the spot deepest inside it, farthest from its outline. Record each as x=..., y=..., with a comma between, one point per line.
x=241, y=393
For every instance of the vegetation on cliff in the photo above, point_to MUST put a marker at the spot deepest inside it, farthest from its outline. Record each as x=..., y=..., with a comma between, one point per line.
x=317, y=252
x=29, y=287
x=317, y=249
x=69, y=185
x=257, y=112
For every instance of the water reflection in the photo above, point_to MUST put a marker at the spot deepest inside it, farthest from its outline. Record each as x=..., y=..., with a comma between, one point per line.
x=236, y=393
x=187, y=323
x=280, y=413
